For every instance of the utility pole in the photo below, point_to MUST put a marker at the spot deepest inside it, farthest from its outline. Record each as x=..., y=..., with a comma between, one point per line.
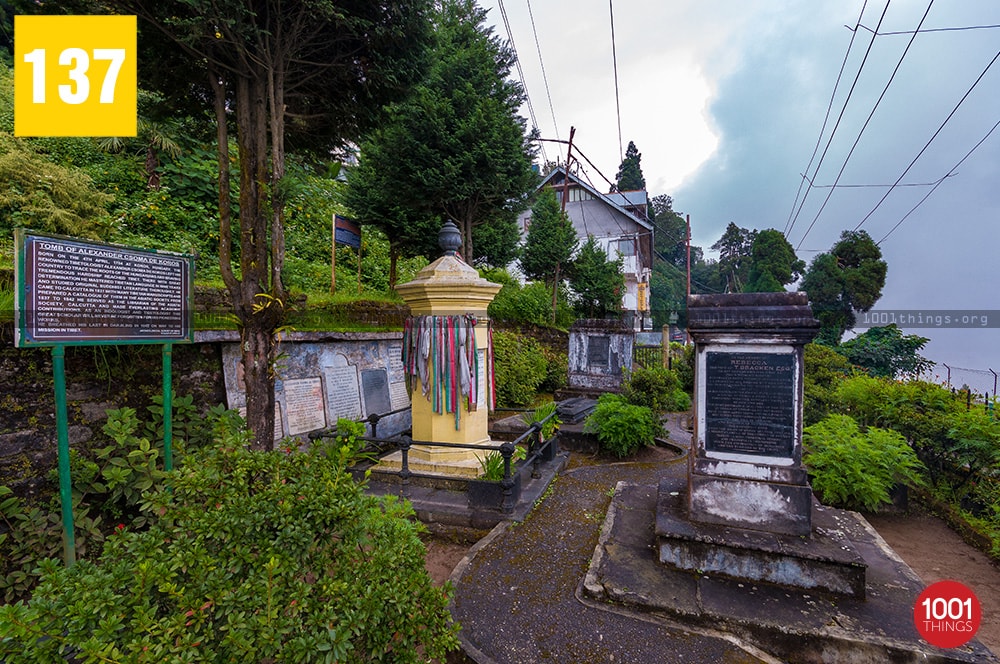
x=565, y=195
x=688, y=241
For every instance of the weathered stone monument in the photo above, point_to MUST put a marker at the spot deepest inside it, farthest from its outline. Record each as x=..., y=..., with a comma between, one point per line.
x=742, y=547
x=447, y=353
x=749, y=509
x=600, y=353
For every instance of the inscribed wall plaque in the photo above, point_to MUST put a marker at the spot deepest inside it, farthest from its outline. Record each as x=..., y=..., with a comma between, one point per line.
x=750, y=403
x=375, y=386
x=304, y=405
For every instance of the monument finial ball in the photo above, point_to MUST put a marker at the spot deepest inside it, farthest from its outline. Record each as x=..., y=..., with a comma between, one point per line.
x=449, y=237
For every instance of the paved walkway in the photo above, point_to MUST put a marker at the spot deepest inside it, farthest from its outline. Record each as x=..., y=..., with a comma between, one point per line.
x=517, y=594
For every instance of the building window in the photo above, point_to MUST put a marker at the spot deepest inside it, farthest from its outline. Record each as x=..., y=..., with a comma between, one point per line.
x=626, y=247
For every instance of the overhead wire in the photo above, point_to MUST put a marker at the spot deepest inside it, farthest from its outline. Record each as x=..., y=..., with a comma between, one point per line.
x=819, y=139
x=950, y=173
x=843, y=110
x=520, y=73
x=614, y=60
x=541, y=63
x=931, y=140
x=864, y=126
x=906, y=32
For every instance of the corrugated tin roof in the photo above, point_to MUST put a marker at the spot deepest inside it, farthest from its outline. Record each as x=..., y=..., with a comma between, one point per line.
x=604, y=198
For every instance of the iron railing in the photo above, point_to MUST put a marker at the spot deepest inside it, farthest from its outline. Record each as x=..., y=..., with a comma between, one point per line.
x=538, y=450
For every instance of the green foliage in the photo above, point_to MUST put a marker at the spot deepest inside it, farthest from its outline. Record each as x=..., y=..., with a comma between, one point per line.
x=773, y=263
x=975, y=445
x=629, y=174
x=530, y=303
x=551, y=240
x=857, y=469
x=30, y=534
x=847, y=279
x=492, y=465
x=684, y=366
x=656, y=388
x=734, y=249
x=887, y=352
x=497, y=242
x=622, y=427
x=520, y=368
x=257, y=556
x=556, y=369
x=539, y=414
x=825, y=368
x=38, y=194
x=109, y=486
x=455, y=149
x=597, y=282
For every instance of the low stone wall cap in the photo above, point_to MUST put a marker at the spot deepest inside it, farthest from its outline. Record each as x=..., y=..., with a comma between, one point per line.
x=796, y=298
x=751, y=311
x=610, y=324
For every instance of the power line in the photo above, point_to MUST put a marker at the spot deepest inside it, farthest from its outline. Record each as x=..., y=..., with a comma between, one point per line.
x=840, y=117
x=545, y=78
x=878, y=102
x=876, y=186
x=843, y=65
x=950, y=173
x=614, y=59
x=925, y=30
x=520, y=72
x=931, y=140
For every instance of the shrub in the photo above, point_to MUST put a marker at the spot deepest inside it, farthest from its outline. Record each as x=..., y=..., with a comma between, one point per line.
x=855, y=469
x=684, y=366
x=256, y=556
x=825, y=368
x=531, y=303
x=656, y=388
x=545, y=410
x=556, y=370
x=520, y=368
x=108, y=487
x=621, y=427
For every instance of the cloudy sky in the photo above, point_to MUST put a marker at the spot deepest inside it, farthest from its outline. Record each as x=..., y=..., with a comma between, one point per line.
x=729, y=103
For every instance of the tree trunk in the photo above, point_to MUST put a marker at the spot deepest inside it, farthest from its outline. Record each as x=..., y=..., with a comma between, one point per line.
x=393, y=259
x=467, y=240
x=555, y=293
x=259, y=311
x=152, y=168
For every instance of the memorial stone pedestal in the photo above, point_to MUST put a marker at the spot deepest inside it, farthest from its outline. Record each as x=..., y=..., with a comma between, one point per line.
x=449, y=287
x=749, y=506
x=600, y=355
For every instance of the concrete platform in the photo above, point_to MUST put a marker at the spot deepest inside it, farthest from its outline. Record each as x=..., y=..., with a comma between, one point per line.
x=444, y=500
x=826, y=560
x=792, y=625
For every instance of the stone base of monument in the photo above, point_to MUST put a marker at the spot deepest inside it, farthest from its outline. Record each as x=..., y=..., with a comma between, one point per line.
x=824, y=560
x=788, y=623
x=448, y=462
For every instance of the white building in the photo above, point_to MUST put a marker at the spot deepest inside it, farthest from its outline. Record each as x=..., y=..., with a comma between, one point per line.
x=618, y=223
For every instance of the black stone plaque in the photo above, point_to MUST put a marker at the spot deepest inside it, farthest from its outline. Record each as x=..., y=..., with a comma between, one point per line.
x=750, y=403
x=598, y=351
x=375, y=386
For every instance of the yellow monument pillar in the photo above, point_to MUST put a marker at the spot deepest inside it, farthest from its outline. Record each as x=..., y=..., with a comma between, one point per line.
x=450, y=287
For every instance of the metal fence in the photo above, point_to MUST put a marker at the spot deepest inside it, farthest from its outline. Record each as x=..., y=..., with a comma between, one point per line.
x=647, y=357
x=538, y=451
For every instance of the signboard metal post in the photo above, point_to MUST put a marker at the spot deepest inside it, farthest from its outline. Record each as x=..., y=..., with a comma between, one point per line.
x=62, y=443
x=73, y=292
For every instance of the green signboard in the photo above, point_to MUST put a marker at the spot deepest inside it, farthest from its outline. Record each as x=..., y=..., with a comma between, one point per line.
x=74, y=292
